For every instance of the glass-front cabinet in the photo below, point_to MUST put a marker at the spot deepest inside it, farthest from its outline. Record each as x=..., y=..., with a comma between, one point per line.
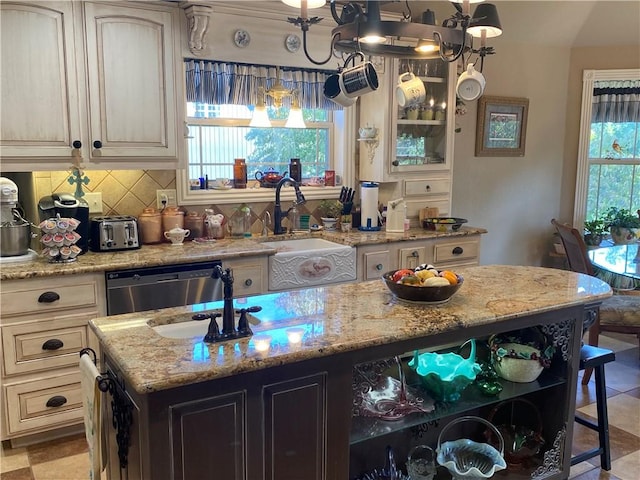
x=414, y=137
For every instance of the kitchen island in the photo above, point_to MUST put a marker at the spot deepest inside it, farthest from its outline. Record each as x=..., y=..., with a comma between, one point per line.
x=284, y=409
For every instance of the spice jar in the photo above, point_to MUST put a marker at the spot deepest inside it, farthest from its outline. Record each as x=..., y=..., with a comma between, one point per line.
x=172, y=217
x=150, y=226
x=194, y=223
x=239, y=173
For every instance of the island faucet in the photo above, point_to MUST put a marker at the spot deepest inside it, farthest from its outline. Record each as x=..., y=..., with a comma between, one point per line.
x=277, y=209
x=228, y=317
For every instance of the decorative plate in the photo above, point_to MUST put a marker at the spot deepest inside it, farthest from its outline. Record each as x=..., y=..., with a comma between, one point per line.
x=241, y=38
x=292, y=43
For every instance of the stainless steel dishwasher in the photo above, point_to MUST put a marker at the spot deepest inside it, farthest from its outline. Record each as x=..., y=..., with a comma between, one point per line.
x=150, y=288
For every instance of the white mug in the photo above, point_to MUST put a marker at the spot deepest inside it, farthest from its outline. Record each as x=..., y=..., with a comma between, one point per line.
x=334, y=93
x=177, y=235
x=410, y=90
x=471, y=84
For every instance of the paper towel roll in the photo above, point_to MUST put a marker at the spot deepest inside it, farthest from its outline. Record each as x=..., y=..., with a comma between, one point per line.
x=369, y=206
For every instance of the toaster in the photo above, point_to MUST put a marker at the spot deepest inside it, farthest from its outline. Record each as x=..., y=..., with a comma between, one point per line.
x=114, y=233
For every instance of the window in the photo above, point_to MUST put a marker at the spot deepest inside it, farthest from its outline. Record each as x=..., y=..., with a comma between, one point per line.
x=220, y=104
x=608, y=173
x=220, y=133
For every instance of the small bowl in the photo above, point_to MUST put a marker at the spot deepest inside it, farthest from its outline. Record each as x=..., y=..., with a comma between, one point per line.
x=420, y=294
x=443, y=224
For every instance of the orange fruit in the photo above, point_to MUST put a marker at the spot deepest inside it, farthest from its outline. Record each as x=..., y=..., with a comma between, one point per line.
x=449, y=275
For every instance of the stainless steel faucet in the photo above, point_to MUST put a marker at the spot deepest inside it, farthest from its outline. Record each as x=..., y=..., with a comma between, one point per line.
x=277, y=209
x=266, y=221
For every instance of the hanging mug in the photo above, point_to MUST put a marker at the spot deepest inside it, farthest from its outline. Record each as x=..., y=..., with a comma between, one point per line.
x=359, y=79
x=333, y=92
x=410, y=90
x=470, y=85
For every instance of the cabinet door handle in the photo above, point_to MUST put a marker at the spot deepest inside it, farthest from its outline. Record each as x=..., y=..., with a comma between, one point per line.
x=415, y=254
x=77, y=144
x=428, y=188
x=97, y=144
x=379, y=267
x=395, y=163
x=56, y=401
x=248, y=282
x=457, y=251
x=53, y=344
x=48, y=297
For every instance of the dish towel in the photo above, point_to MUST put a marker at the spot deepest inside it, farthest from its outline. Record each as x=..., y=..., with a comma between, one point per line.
x=91, y=400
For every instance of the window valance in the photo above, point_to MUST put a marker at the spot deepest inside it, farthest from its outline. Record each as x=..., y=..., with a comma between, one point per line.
x=220, y=83
x=616, y=101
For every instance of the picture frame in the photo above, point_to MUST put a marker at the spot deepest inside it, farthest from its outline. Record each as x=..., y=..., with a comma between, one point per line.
x=501, y=128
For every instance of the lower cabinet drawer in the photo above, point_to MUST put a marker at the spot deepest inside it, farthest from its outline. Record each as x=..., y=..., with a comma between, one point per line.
x=34, y=346
x=455, y=251
x=43, y=404
x=376, y=263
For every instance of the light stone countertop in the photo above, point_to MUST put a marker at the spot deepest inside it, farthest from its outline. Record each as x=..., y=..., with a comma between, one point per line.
x=190, y=252
x=335, y=319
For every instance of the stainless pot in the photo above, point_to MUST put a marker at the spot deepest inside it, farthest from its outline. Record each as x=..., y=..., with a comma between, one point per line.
x=15, y=239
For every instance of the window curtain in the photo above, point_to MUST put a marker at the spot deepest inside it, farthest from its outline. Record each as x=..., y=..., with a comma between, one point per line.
x=220, y=83
x=616, y=101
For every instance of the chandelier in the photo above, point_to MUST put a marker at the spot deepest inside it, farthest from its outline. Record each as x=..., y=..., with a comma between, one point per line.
x=278, y=93
x=361, y=29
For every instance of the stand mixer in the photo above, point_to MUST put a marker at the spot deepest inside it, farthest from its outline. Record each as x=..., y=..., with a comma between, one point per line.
x=15, y=231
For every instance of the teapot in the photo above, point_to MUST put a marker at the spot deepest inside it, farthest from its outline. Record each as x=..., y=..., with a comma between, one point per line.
x=270, y=177
x=368, y=132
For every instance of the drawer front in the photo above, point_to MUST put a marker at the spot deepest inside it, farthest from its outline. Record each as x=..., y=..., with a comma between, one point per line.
x=411, y=257
x=35, y=346
x=27, y=403
x=48, y=297
x=248, y=280
x=456, y=251
x=436, y=186
x=376, y=263
x=414, y=206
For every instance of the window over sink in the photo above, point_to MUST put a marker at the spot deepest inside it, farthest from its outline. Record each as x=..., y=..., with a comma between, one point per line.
x=218, y=131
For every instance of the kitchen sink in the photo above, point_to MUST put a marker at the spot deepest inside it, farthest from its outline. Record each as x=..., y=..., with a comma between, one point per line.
x=194, y=328
x=307, y=262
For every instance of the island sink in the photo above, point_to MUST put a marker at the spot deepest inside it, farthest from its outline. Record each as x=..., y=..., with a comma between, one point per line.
x=193, y=328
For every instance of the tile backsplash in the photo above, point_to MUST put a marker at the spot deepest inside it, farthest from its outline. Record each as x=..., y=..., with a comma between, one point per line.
x=128, y=192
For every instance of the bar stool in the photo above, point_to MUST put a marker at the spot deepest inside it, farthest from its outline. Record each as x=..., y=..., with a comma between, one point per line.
x=596, y=358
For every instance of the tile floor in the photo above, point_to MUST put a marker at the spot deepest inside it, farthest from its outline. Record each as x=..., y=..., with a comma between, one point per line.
x=67, y=458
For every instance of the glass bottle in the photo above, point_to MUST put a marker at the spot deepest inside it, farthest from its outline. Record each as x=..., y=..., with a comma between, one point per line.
x=295, y=169
x=240, y=173
x=294, y=218
x=240, y=222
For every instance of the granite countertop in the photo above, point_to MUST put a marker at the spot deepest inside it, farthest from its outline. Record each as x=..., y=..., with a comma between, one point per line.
x=335, y=319
x=167, y=254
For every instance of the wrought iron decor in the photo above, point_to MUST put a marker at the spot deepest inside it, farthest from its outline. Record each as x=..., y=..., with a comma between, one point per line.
x=553, y=457
x=561, y=334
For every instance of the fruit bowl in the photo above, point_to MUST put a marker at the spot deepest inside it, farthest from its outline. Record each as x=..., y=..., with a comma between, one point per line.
x=421, y=294
x=443, y=224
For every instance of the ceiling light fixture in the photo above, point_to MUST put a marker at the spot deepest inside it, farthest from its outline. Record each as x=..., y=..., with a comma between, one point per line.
x=260, y=116
x=360, y=29
x=278, y=93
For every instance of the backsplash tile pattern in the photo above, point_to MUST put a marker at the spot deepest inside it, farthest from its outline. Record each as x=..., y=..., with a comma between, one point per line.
x=128, y=192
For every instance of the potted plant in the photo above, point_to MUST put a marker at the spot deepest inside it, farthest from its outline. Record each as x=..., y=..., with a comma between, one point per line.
x=623, y=225
x=594, y=232
x=329, y=212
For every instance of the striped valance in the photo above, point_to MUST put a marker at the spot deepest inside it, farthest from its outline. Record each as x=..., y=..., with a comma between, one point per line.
x=616, y=101
x=220, y=83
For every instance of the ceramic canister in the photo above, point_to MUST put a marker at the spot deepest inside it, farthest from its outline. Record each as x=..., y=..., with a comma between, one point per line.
x=150, y=225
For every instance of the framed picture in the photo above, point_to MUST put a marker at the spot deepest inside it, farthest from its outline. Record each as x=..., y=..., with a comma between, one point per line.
x=502, y=126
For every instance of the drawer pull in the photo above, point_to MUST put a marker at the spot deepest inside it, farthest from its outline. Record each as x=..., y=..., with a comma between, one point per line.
x=77, y=144
x=48, y=297
x=379, y=267
x=56, y=401
x=428, y=188
x=414, y=254
x=457, y=251
x=248, y=282
x=52, y=344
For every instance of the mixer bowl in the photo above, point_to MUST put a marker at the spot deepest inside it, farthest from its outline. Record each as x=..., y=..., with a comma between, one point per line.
x=14, y=239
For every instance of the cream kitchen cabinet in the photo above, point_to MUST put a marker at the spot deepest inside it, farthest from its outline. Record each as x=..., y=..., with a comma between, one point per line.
x=103, y=82
x=443, y=252
x=43, y=327
x=249, y=275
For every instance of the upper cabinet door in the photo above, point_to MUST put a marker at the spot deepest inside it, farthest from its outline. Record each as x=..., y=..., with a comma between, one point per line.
x=40, y=115
x=131, y=75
